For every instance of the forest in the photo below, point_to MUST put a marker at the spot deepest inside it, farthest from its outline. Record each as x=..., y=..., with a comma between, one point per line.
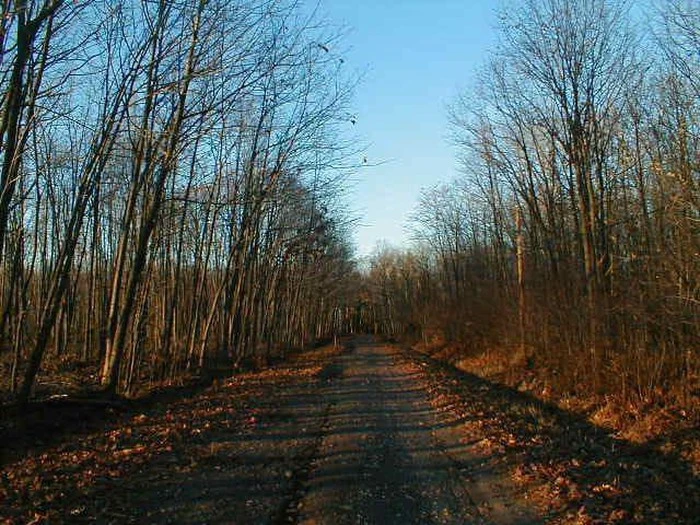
x=189, y=335
x=569, y=247
x=171, y=189
x=173, y=198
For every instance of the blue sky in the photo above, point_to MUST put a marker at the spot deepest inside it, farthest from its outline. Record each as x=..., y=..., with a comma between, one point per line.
x=415, y=56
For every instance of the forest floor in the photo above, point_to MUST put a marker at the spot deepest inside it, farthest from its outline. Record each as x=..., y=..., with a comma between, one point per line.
x=366, y=433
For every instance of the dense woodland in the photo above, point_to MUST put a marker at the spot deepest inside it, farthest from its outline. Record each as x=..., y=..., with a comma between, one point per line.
x=169, y=193
x=570, y=244
x=171, y=196
x=177, y=271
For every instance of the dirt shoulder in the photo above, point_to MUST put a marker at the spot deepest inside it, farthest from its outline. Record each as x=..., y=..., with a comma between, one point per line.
x=571, y=469
x=226, y=455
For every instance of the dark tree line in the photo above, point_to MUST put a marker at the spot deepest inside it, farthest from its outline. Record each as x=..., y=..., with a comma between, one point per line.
x=572, y=240
x=168, y=193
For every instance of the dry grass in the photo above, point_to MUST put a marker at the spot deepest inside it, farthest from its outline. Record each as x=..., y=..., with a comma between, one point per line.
x=670, y=423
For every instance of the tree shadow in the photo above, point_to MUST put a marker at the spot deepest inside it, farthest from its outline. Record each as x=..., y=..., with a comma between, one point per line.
x=646, y=484
x=258, y=464
x=47, y=423
x=364, y=438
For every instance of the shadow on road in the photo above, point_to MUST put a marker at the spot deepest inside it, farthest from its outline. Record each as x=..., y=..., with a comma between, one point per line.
x=362, y=435
x=381, y=460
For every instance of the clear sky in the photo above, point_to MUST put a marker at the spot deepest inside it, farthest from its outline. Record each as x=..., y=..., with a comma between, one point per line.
x=415, y=55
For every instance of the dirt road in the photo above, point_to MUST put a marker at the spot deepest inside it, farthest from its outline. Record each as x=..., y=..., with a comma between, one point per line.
x=364, y=434
x=387, y=456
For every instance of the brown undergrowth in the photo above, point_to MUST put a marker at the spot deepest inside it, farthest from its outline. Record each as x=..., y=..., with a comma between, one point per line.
x=584, y=458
